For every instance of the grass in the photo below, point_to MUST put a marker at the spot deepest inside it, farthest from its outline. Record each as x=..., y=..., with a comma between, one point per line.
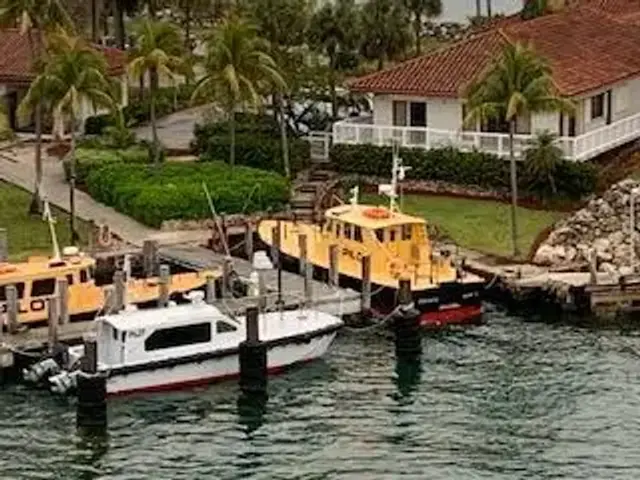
x=481, y=225
x=29, y=234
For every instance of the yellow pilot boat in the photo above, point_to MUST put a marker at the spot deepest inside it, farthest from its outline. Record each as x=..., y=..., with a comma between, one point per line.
x=399, y=248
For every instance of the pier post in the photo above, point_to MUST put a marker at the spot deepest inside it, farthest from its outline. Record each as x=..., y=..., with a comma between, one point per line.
x=12, y=308
x=91, y=391
x=302, y=245
x=210, y=295
x=334, y=272
x=63, y=300
x=227, y=267
x=593, y=267
x=150, y=257
x=308, y=283
x=248, y=240
x=253, y=357
x=365, y=300
x=276, y=257
x=163, y=286
x=52, y=321
x=4, y=245
x=406, y=324
x=119, y=291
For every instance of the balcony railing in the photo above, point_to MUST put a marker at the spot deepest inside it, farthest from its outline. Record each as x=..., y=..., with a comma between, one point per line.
x=578, y=148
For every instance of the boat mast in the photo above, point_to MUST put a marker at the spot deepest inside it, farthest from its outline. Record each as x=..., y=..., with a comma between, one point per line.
x=46, y=215
x=398, y=172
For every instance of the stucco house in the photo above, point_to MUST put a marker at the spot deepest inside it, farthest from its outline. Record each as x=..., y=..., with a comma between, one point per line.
x=594, y=52
x=16, y=74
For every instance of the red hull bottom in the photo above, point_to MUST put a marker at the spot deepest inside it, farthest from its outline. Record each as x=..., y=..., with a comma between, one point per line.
x=460, y=315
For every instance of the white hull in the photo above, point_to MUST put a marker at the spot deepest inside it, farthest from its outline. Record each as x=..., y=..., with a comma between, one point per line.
x=218, y=368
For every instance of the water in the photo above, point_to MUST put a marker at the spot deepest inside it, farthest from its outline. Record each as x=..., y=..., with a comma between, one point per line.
x=509, y=400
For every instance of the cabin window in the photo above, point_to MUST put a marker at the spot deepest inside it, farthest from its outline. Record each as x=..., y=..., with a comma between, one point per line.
x=347, y=230
x=178, y=336
x=406, y=232
x=224, y=327
x=392, y=234
x=357, y=233
x=84, y=278
x=3, y=291
x=338, y=229
x=328, y=226
x=380, y=235
x=70, y=279
x=46, y=286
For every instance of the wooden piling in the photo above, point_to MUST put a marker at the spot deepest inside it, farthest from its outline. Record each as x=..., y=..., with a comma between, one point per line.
x=334, y=272
x=227, y=268
x=277, y=258
x=248, y=241
x=12, y=308
x=4, y=245
x=150, y=258
x=275, y=244
x=210, y=296
x=53, y=320
x=404, y=292
x=302, y=245
x=365, y=299
x=253, y=357
x=63, y=300
x=163, y=286
x=593, y=267
x=119, y=291
x=91, y=391
x=308, y=284
x=89, y=362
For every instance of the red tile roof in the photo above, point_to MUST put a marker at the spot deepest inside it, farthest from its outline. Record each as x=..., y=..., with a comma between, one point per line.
x=588, y=47
x=15, y=58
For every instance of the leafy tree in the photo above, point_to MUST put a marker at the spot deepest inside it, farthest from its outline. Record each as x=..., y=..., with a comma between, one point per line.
x=237, y=68
x=518, y=84
x=159, y=50
x=334, y=31
x=38, y=16
x=541, y=160
x=385, y=30
x=420, y=9
x=73, y=75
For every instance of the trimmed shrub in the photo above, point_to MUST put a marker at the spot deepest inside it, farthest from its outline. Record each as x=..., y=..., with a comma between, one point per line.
x=88, y=159
x=174, y=191
x=573, y=180
x=96, y=124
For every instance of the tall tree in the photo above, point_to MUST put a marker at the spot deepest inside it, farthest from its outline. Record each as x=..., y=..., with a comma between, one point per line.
x=384, y=30
x=74, y=74
x=489, y=14
x=237, y=68
x=419, y=10
x=35, y=16
x=334, y=32
x=158, y=50
x=518, y=84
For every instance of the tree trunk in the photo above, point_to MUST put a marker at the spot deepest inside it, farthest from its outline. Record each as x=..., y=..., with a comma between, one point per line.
x=187, y=26
x=514, y=190
x=118, y=23
x=153, y=86
x=479, y=9
x=95, y=21
x=334, y=95
x=72, y=184
x=417, y=27
x=36, y=201
x=232, y=128
x=489, y=9
x=279, y=104
x=141, y=87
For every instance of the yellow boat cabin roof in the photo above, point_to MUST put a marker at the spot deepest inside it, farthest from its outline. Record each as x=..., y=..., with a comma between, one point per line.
x=37, y=267
x=371, y=216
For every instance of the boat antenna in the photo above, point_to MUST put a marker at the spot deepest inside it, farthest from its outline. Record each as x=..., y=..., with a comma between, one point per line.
x=47, y=217
x=398, y=172
x=216, y=220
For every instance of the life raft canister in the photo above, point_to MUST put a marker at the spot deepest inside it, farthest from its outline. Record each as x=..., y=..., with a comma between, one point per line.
x=376, y=212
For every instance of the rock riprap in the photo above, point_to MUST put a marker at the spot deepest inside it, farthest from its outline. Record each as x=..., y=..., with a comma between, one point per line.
x=602, y=226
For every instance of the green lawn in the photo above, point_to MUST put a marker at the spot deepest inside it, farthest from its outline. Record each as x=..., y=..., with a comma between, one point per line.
x=29, y=235
x=481, y=225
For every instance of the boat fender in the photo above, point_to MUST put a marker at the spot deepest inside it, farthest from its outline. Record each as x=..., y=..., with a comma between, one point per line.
x=37, y=372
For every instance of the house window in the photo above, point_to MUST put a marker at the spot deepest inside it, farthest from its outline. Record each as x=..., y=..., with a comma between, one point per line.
x=40, y=288
x=597, y=106
x=400, y=113
x=178, y=336
x=418, y=114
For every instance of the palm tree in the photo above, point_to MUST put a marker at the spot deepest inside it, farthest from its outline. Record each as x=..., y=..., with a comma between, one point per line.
x=542, y=158
x=158, y=50
x=73, y=75
x=518, y=84
x=237, y=68
x=420, y=9
x=38, y=15
x=385, y=30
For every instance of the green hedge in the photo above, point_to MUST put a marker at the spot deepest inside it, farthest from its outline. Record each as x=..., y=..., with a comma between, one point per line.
x=88, y=159
x=573, y=180
x=174, y=191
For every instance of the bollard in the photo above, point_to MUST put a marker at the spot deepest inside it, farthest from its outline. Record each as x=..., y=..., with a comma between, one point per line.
x=248, y=241
x=91, y=390
x=210, y=295
x=4, y=245
x=253, y=357
x=406, y=324
x=53, y=319
x=334, y=273
x=150, y=257
x=365, y=299
x=227, y=268
x=302, y=245
x=308, y=284
x=12, y=308
x=119, y=291
x=163, y=286
x=63, y=300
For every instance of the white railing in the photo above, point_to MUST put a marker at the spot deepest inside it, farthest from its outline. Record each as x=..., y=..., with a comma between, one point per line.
x=578, y=148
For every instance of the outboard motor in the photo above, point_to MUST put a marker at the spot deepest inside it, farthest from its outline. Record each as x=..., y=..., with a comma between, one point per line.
x=41, y=370
x=64, y=382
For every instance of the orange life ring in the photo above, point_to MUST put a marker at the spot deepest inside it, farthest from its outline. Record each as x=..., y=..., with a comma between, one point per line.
x=376, y=212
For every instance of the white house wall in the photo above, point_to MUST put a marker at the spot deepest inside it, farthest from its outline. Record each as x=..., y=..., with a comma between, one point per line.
x=442, y=113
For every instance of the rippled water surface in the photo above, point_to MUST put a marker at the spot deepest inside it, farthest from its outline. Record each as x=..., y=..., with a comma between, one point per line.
x=511, y=399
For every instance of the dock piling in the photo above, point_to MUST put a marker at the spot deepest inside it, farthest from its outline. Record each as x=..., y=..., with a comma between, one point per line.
x=53, y=319
x=163, y=286
x=593, y=267
x=406, y=324
x=4, y=245
x=253, y=357
x=276, y=256
x=63, y=300
x=150, y=257
x=302, y=245
x=119, y=290
x=334, y=272
x=308, y=283
x=91, y=391
x=227, y=267
x=11, y=293
x=248, y=240
x=365, y=301
x=210, y=295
